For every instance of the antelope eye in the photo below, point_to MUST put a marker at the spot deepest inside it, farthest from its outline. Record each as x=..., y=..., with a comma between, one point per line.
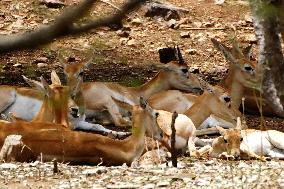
x=156, y=114
x=184, y=70
x=241, y=139
x=81, y=74
x=225, y=141
x=227, y=99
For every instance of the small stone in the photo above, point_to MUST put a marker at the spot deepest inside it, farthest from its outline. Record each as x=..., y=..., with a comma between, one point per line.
x=18, y=65
x=163, y=184
x=250, y=38
x=41, y=59
x=185, y=35
x=149, y=186
x=131, y=42
x=122, y=33
x=8, y=166
x=52, y=3
x=194, y=69
x=172, y=23
x=219, y=2
x=123, y=40
x=191, y=51
x=41, y=65
x=208, y=24
x=91, y=172
x=136, y=21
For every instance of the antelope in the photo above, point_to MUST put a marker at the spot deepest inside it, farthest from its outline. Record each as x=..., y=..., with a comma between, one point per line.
x=81, y=147
x=215, y=100
x=243, y=74
x=56, y=105
x=248, y=143
x=99, y=96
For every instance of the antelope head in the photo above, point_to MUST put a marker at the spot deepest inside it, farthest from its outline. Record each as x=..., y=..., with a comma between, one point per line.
x=230, y=140
x=144, y=114
x=58, y=104
x=219, y=103
x=244, y=70
x=177, y=71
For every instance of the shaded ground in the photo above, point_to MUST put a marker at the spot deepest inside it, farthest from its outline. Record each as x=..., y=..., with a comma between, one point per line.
x=128, y=61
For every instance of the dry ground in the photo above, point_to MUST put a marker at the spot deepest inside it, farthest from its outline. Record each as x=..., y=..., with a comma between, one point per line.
x=128, y=60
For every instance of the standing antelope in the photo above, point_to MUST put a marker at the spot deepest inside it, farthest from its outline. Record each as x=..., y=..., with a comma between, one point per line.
x=248, y=143
x=52, y=141
x=99, y=96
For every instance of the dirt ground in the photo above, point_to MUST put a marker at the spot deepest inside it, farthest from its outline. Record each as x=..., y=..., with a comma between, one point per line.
x=127, y=59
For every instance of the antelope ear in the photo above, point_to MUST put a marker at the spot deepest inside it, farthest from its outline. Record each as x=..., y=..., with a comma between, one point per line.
x=33, y=83
x=239, y=124
x=143, y=103
x=226, y=52
x=221, y=130
x=55, y=78
x=247, y=52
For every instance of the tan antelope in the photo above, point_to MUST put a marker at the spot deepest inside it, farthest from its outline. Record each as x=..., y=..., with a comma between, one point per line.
x=243, y=74
x=56, y=105
x=215, y=100
x=99, y=96
x=248, y=143
x=52, y=141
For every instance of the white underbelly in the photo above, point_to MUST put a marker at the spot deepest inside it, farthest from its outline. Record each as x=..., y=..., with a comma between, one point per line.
x=24, y=107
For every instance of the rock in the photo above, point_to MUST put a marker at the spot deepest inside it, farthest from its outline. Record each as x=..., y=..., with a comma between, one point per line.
x=42, y=65
x=194, y=69
x=131, y=42
x=91, y=172
x=163, y=184
x=18, y=65
x=184, y=35
x=219, y=2
x=9, y=166
x=191, y=51
x=122, y=33
x=136, y=21
x=167, y=12
x=52, y=3
x=123, y=40
x=250, y=38
x=172, y=23
x=208, y=24
x=41, y=59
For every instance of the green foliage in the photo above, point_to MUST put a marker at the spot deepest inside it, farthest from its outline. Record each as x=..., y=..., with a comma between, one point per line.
x=266, y=9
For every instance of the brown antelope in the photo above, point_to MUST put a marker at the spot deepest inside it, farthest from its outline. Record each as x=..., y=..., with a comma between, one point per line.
x=56, y=105
x=248, y=143
x=243, y=74
x=99, y=95
x=52, y=141
x=215, y=100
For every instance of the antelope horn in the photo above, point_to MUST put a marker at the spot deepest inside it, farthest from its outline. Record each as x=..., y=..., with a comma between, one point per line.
x=180, y=58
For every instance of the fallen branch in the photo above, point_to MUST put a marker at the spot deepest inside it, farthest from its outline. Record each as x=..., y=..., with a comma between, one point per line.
x=207, y=131
x=173, y=140
x=65, y=25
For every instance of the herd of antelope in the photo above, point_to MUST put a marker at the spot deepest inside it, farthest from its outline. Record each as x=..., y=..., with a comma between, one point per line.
x=67, y=122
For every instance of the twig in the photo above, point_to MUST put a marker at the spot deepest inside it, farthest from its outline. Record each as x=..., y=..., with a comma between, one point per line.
x=64, y=25
x=190, y=28
x=55, y=167
x=173, y=140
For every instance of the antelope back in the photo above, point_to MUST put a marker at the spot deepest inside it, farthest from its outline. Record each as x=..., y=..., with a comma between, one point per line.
x=242, y=69
x=229, y=141
x=176, y=71
x=144, y=114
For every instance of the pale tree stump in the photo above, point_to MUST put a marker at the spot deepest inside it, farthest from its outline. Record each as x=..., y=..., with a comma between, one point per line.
x=14, y=149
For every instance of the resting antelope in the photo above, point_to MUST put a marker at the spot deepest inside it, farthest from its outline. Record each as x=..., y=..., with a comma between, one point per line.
x=52, y=141
x=99, y=95
x=243, y=74
x=56, y=105
x=215, y=100
x=248, y=143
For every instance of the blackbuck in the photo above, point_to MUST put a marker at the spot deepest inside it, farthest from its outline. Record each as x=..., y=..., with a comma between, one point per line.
x=53, y=103
x=248, y=143
x=52, y=141
x=174, y=74
x=215, y=100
